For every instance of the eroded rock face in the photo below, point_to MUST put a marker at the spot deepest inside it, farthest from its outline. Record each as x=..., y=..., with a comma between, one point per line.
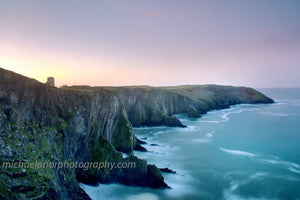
x=123, y=138
x=90, y=124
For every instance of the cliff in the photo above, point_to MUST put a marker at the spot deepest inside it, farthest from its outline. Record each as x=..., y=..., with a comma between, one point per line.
x=39, y=122
x=155, y=106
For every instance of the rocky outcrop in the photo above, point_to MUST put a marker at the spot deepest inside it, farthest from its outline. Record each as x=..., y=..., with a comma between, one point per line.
x=154, y=177
x=167, y=170
x=90, y=124
x=123, y=138
x=138, y=146
x=192, y=112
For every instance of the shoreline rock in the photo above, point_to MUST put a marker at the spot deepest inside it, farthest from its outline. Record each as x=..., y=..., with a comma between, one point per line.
x=167, y=170
x=192, y=112
x=139, y=147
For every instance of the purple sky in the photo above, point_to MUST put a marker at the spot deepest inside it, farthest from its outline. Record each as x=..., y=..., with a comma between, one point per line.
x=167, y=42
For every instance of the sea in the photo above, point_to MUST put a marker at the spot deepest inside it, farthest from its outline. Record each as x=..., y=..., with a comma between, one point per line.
x=249, y=151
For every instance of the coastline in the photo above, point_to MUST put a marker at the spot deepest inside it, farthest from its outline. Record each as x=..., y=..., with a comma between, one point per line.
x=86, y=124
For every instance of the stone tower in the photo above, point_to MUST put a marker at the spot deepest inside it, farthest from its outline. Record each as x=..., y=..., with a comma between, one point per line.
x=50, y=81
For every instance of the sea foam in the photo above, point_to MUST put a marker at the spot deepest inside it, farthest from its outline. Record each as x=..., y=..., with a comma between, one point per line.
x=237, y=152
x=275, y=114
x=143, y=196
x=293, y=167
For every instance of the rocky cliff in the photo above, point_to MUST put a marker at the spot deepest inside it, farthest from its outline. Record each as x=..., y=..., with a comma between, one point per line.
x=39, y=122
x=155, y=106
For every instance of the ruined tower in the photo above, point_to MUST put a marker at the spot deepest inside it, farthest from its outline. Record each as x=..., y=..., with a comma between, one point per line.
x=50, y=81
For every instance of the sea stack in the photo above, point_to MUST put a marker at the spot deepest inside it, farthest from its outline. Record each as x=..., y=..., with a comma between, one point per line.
x=50, y=81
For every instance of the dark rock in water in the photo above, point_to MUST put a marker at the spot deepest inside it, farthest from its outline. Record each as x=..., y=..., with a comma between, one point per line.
x=144, y=138
x=87, y=179
x=192, y=112
x=173, y=122
x=154, y=178
x=139, y=147
x=167, y=170
x=154, y=145
x=142, y=174
x=141, y=141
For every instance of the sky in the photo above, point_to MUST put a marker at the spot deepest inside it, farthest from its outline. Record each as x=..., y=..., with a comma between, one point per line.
x=252, y=43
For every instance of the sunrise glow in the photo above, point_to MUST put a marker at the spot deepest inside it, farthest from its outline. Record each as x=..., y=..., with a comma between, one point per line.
x=153, y=43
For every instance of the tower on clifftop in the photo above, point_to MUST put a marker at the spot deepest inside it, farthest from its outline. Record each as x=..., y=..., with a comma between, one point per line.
x=50, y=81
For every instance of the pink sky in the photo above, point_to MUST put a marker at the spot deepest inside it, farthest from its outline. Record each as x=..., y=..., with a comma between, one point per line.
x=253, y=43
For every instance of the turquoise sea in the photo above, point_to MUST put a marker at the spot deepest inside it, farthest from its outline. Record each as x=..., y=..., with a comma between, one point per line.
x=245, y=152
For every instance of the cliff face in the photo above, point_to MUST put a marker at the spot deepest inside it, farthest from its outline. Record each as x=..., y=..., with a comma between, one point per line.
x=40, y=122
x=90, y=124
x=154, y=106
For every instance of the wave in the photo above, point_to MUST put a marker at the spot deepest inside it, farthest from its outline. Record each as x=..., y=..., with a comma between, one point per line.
x=210, y=135
x=192, y=127
x=225, y=117
x=257, y=175
x=236, y=110
x=282, y=162
x=294, y=170
x=143, y=196
x=293, y=167
x=150, y=127
x=223, y=114
x=146, y=127
x=275, y=114
x=237, y=152
x=210, y=121
x=202, y=140
x=232, y=194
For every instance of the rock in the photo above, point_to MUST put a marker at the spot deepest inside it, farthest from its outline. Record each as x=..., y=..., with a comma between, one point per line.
x=141, y=141
x=192, y=112
x=167, y=170
x=173, y=122
x=154, y=178
x=135, y=175
x=139, y=147
x=123, y=136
